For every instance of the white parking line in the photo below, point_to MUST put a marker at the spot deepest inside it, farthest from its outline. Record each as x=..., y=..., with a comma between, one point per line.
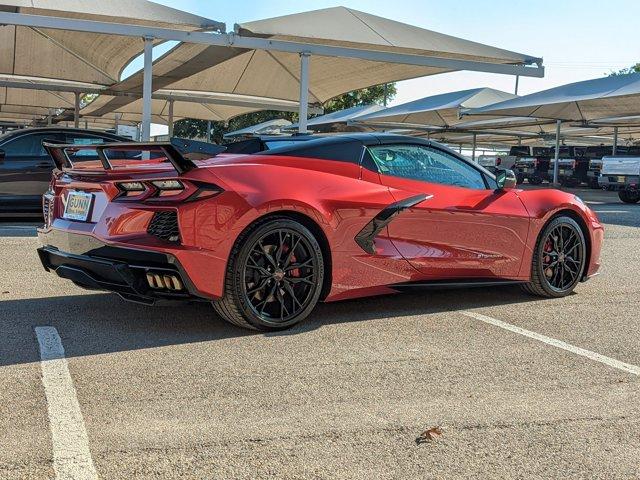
x=612, y=362
x=611, y=211
x=71, y=455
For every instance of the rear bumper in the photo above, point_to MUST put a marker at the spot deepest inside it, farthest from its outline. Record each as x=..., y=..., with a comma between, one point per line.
x=619, y=182
x=93, y=264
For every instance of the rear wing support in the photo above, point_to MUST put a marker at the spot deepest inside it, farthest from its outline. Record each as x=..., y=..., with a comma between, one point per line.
x=177, y=151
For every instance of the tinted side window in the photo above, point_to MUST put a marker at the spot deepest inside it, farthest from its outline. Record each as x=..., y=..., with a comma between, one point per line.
x=426, y=164
x=341, y=151
x=29, y=145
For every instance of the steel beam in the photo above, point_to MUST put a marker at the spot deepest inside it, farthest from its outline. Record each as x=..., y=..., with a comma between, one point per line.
x=475, y=143
x=615, y=141
x=170, y=121
x=76, y=111
x=147, y=89
x=557, y=153
x=219, y=99
x=303, y=104
x=532, y=67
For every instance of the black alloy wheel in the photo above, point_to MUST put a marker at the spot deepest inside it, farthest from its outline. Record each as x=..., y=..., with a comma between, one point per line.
x=275, y=277
x=559, y=260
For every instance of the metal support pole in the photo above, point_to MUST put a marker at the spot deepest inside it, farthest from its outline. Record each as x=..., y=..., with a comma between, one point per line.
x=50, y=117
x=517, y=83
x=460, y=149
x=615, y=141
x=557, y=153
x=473, y=151
x=303, y=112
x=171, y=118
x=208, y=131
x=116, y=124
x=76, y=111
x=147, y=88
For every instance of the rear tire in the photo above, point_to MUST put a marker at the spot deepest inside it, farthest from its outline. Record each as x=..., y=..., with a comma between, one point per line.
x=274, y=276
x=629, y=197
x=559, y=259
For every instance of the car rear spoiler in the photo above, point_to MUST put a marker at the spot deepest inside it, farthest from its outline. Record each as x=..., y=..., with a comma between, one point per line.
x=177, y=151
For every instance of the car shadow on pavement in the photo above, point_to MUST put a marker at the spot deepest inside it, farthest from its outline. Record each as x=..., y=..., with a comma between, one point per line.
x=95, y=324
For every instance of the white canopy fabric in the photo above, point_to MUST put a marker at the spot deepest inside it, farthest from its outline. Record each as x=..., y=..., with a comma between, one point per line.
x=12, y=98
x=132, y=112
x=541, y=135
x=437, y=110
x=337, y=121
x=270, y=127
x=187, y=104
x=87, y=57
x=276, y=74
x=617, y=96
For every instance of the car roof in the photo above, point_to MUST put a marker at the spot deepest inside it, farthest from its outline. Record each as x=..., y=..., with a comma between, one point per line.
x=29, y=131
x=363, y=139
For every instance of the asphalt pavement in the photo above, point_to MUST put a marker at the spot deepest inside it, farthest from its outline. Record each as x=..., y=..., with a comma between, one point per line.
x=520, y=387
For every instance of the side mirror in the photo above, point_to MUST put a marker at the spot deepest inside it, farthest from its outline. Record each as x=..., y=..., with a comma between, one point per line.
x=505, y=179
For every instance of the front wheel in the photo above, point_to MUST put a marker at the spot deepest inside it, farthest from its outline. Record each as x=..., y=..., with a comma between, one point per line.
x=559, y=259
x=274, y=276
x=629, y=197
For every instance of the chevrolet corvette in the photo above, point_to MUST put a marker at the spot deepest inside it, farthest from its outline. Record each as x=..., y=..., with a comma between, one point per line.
x=265, y=235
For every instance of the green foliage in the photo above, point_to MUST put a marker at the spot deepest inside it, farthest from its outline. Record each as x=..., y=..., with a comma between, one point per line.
x=191, y=128
x=625, y=71
x=366, y=96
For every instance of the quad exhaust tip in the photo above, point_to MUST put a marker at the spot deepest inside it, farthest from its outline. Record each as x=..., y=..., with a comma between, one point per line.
x=164, y=282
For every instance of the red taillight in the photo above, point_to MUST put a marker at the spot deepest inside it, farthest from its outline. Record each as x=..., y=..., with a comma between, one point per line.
x=167, y=190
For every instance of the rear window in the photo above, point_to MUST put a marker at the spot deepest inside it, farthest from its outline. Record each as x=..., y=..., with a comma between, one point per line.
x=519, y=151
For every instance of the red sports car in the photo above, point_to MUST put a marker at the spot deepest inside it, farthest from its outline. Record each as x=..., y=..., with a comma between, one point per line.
x=264, y=236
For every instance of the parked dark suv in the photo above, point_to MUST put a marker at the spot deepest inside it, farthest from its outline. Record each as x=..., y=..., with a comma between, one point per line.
x=25, y=167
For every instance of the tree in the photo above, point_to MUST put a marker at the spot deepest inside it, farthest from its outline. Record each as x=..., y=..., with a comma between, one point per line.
x=625, y=71
x=191, y=128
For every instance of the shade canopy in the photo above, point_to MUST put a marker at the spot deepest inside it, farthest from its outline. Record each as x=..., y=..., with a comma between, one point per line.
x=588, y=101
x=270, y=127
x=338, y=121
x=132, y=112
x=187, y=104
x=17, y=99
x=437, y=110
x=82, y=56
x=276, y=73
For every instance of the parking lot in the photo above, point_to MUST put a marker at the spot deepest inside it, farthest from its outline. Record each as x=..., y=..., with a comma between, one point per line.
x=521, y=387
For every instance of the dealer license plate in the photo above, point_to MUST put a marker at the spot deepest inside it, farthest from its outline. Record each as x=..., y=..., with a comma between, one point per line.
x=620, y=179
x=78, y=206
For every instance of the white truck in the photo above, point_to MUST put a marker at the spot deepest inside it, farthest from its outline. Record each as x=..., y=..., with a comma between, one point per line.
x=622, y=174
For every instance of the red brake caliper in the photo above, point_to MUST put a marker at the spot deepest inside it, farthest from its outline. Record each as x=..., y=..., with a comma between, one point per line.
x=548, y=247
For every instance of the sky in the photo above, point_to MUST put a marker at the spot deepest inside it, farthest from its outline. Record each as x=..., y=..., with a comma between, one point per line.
x=578, y=40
